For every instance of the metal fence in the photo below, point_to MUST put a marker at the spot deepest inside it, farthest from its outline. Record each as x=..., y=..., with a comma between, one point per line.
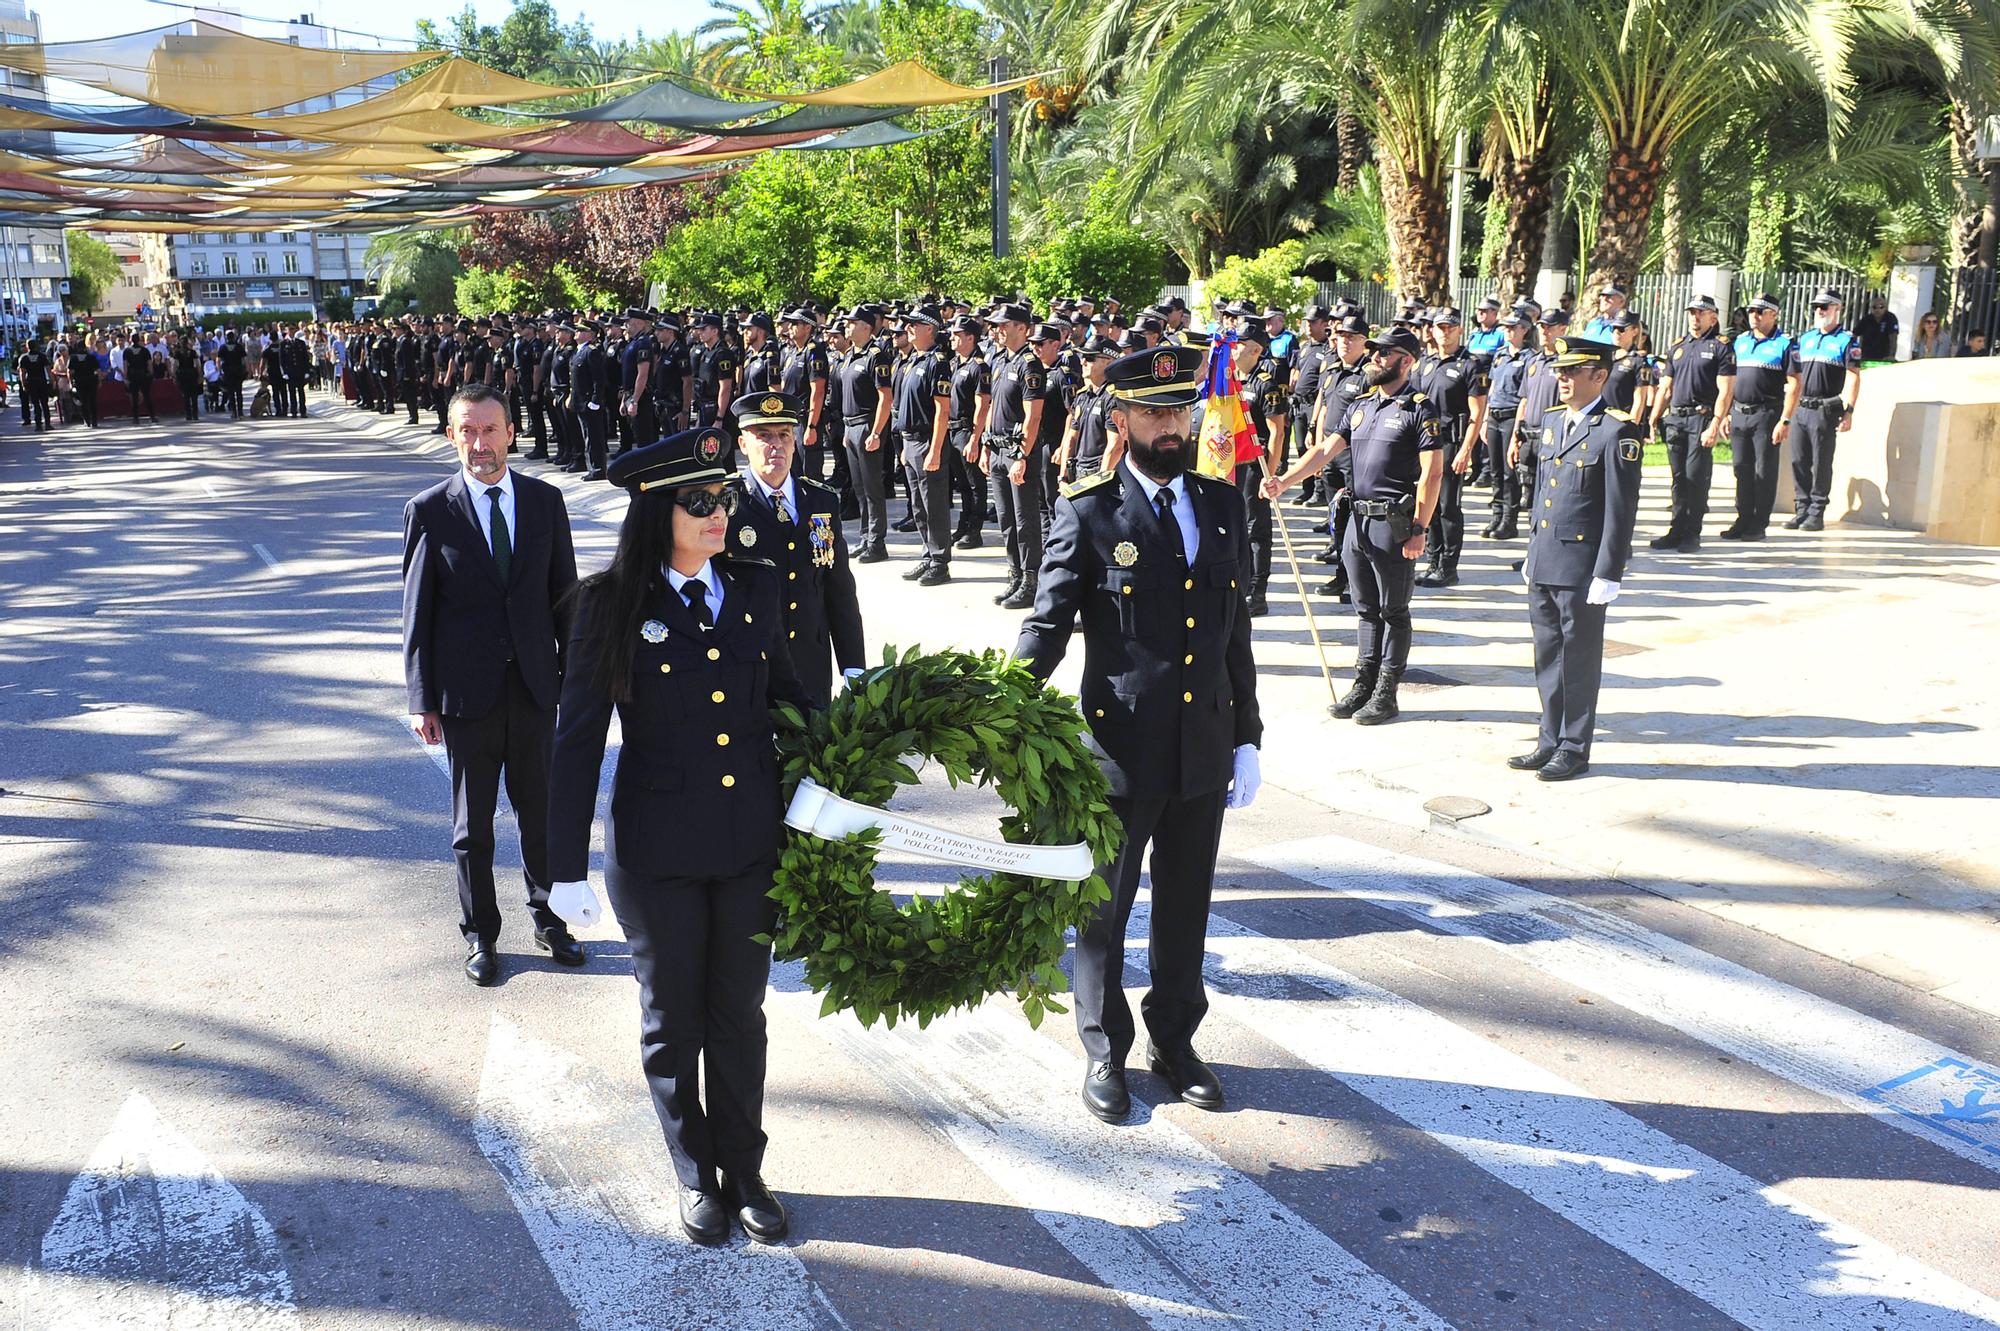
x=1970, y=303
x=1378, y=303
x=1794, y=293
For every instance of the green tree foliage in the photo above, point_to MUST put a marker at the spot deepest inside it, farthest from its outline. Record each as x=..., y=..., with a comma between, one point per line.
x=1098, y=253
x=420, y=268
x=1268, y=279
x=93, y=271
x=530, y=43
x=485, y=290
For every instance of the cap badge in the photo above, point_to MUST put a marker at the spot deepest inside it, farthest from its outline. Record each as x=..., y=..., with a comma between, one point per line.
x=709, y=447
x=1166, y=366
x=772, y=405
x=653, y=631
x=1126, y=553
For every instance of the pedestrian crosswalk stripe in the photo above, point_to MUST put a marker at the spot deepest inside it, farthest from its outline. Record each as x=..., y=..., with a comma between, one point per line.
x=1185, y=1241
x=1663, y=1203
x=1861, y=1062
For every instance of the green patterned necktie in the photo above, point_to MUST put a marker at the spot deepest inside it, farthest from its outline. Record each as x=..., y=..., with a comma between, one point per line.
x=503, y=544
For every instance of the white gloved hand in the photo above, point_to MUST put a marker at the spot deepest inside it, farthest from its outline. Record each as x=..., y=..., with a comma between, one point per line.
x=575, y=902
x=1243, y=784
x=1601, y=592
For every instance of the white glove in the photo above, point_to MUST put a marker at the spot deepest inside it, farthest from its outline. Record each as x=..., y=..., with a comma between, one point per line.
x=1243, y=784
x=1601, y=592
x=575, y=902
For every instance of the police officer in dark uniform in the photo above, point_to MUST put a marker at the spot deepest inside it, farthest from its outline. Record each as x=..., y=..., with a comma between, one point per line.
x=1828, y=358
x=1310, y=357
x=1020, y=385
x=1264, y=403
x=862, y=374
x=409, y=355
x=714, y=370
x=761, y=370
x=802, y=375
x=1690, y=405
x=1453, y=379
x=1344, y=379
x=686, y=646
x=971, y=398
x=635, y=370
x=1151, y=557
x=672, y=377
x=1087, y=437
x=381, y=360
x=1538, y=397
x=1589, y=459
x=589, y=394
x=530, y=362
x=1630, y=387
x=1045, y=353
x=1397, y=437
x=1766, y=386
x=83, y=376
x=1506, y=367
x=794, y=521
x=554, y=376
x=32, y=374
x=921, y=417
x=450, y=367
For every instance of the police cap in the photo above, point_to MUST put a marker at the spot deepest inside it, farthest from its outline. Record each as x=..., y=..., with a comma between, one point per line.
x=802, y=314
x=708, y=319
x=1253, y=331
x=1048, y=332
x=1353, y=323
x=759, y=319
x=1626, y=319
x=1490, y=303
x=1765, y=301
x=1397, y=339
x=924, y=315
x=1704, y=303
x=634, y=312
x=1573, y=352
x=766, y=409
x=1101, y=348
x=1149, y=323
x=1555, y=318
x=1318, y=314
x=965, y=323
x=1446, y=317
x=1157, y=377
x=1240, y=309
x=1826, y=296
x=692, y=457
x=1011, y=312
x=1611, y=289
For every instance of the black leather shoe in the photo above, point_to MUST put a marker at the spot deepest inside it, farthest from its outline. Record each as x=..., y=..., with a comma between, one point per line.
x=1438, y=577
x=1756, y=535
x=1330, y=555
x=1531, y=762
x=871, y=554
x=937, y=575
x=1691, y=546
x=482, y=965
x=1665, y=542
x=1813, y=523
x=593, y=475
x=761, y=1214
x=1190, y=1078
x=703, y=1216
x=556, y=941
x=1566, y=764
x=916, y=570
x=906, y=525
x=1731, y=533
x=1796, y=521
x=1335, y=588
x=969, y=541
x=1104, y=1092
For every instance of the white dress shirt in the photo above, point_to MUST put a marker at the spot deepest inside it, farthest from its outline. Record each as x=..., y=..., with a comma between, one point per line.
x=484, y=506
x=770, y=496
x=1183, y=506
x=710, y=584
x=1570, y=418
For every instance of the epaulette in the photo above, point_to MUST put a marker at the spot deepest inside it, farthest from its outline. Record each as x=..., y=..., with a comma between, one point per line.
x=817, y=485
x=1087, y=484
x=1416, y=397
x=1617, y=414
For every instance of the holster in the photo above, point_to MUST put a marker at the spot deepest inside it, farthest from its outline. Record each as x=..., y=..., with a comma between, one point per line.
x=1402, y=518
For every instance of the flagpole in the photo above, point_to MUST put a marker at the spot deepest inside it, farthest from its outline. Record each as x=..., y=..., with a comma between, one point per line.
x=1299, y=581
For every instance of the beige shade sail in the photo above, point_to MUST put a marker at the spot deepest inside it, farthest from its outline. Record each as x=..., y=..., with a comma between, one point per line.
x=905, y=83
x=453, y=84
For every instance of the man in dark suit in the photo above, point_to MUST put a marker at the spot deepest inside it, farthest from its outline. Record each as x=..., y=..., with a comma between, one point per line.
x=795, y=523
x=1154, y=559
x=1588, y=457
x=487, y=569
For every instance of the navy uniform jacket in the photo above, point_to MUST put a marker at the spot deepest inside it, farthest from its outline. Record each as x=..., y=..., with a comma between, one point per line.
x=822, y=613
x=1587, y=497
x=1169, y=686
x=696, y=793
x=461, y=625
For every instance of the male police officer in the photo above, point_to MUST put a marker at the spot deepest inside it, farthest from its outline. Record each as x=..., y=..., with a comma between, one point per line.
x=1506, y=367
x=1456, y=382
x=1588, y=459
x=635, y=372
x=1150, y=556
x=1397, y=437
x=971, y=399
x=794, y=521
x=1820, y=406
x=1690, y=405
x=921, y=415
x=1766, y=386
x=1020, y=385
x=1345, y=379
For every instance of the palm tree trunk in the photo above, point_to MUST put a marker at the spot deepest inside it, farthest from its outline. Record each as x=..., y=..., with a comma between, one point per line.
x=1676, y=245
x=1351, y=153
x=1418, y=219
x=1558, y=235
x=1526, y=190
x=1970, y=234
x=1631, y=182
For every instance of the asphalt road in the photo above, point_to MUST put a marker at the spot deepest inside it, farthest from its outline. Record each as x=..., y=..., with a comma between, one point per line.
x=244, y=1085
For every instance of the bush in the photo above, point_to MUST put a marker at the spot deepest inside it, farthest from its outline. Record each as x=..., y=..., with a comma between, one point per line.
x=1266, y=279
x=1102, y=254
x=484, y=290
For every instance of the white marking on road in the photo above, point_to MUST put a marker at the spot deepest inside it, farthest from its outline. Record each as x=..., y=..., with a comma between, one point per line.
x=151, y=1236
x=1758, y=1254
x=1183, y=1239
x=585, y=1167
x=1807, y=1040
x=268, y=558
x=213, y=493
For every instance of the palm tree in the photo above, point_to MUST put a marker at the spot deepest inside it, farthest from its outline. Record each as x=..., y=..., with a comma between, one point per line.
x=1961, y=39
x=740, y=34
x=1515, y=98
x=1646, y=70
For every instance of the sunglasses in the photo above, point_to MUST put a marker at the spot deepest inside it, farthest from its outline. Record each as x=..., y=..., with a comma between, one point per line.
x=701, y=503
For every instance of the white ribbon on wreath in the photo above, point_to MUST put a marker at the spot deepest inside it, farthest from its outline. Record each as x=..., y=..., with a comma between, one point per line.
x=817, y=810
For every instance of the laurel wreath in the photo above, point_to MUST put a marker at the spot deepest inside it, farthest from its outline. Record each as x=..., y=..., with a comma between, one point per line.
x=983, y=719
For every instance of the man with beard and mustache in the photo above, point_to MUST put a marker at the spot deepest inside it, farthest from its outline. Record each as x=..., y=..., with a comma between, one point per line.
x=1153, y=559
x=1396, y=435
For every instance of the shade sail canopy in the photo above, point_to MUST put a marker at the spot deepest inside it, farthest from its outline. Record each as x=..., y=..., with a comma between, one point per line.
x=668, y=103
x=905, y=83
x=207, y=70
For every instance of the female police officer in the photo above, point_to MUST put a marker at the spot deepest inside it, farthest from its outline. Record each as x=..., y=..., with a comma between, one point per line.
x=686, y=646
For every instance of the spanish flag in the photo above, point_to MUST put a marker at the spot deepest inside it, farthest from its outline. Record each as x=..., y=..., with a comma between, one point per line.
x=1226, y=436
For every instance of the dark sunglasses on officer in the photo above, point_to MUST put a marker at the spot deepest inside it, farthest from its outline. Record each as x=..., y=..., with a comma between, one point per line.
x=701, y=503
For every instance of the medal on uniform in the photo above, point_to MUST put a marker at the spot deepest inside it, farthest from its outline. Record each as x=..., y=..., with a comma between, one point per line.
x=820, y=529
x=653, y=631
x=1126, y=553
x=746, y=536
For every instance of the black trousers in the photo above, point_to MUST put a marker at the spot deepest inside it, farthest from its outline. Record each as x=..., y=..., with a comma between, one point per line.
x=413, y=399
x=295, y=393
x=190, y=398
x=141, y=393
x=1183, y=835
x=968, y=484
x=866, y=470
x=537, y=425
x=1569, y=664
x=702, y=977
x=232, y=393
x=512, y=743
x=810, y=458
x=86, y=400
x=564, y=430
x=1381, y=580
x=1447, y=530
x=1019, y=508
x=1249, y=483
x=1692, y=467
x=1506, y=498
x=930, y=499
x=596, y=438
x=1755, y=462
x=1339, y=516
x=35, y=405
x=1814, y=431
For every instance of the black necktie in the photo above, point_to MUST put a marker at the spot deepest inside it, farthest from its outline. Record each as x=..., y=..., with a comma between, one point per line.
x=696, y=592
x=503, y=545
x=1170, y=526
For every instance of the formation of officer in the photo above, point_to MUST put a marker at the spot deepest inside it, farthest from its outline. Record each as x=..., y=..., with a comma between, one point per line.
x=1691, y=408
x=1149, y=558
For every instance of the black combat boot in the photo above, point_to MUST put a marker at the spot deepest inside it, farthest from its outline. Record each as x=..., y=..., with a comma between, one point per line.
x=1007, y=592
x=1355, y=698
x=1382, y=707
x=1258, y=602
x=1023, y=596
